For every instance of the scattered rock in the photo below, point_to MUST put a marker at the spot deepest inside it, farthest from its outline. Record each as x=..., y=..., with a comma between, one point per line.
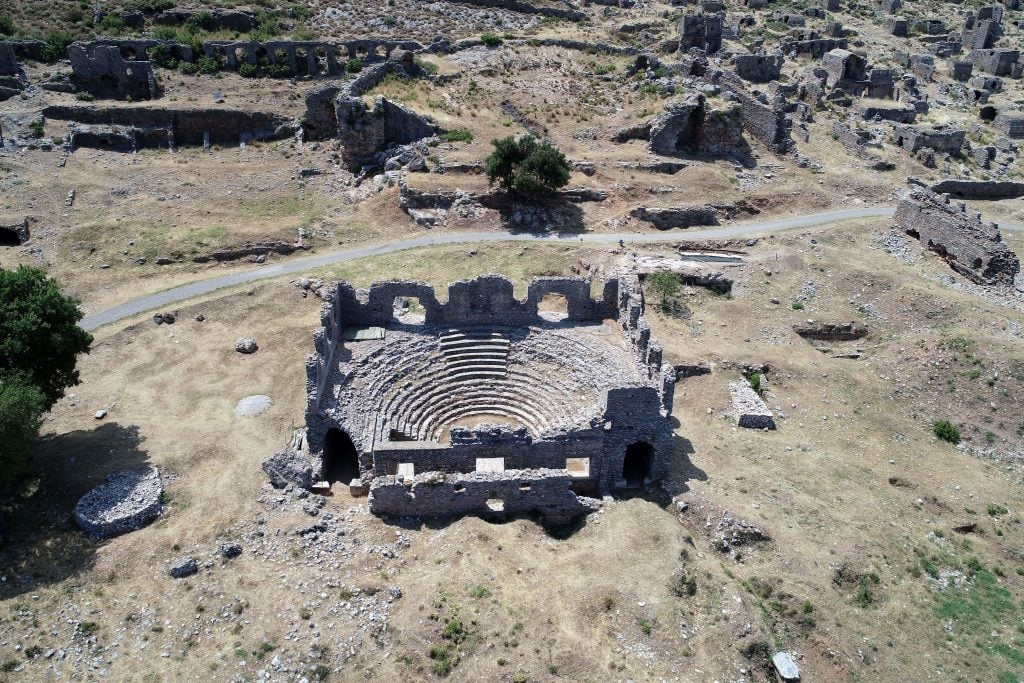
x=246, y=345
x=785, y=666
x=230, y=550
x=182, y=567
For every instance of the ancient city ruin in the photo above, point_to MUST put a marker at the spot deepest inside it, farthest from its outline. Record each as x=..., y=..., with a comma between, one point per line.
x=652, y=340
x=485, y=403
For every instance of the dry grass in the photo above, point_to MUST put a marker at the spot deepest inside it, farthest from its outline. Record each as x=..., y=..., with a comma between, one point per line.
x=820, y=487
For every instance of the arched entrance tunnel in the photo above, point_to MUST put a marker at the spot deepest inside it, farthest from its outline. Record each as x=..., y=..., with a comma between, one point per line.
x=341, y=460
x=636, y=466
x=9, y=238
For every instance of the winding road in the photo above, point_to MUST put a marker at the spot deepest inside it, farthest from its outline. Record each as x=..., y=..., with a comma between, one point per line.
x=200, y=287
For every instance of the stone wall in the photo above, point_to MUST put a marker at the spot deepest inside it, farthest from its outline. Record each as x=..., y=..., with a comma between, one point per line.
x=547, y=492
x=365, y=131
x=690, y=128
x=1010, y=123
x=913, y=139
x=979, y=189
x=766, y=121
x=969, y=245
x=996, y=62
x=104, y=71
x=758, y=68
x=485, y=300
x=164, y=127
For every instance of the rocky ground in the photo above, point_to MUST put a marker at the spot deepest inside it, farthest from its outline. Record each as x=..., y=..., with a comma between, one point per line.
x=850, y=537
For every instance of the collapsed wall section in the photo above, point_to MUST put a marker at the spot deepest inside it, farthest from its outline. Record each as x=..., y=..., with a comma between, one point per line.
x=969, y=245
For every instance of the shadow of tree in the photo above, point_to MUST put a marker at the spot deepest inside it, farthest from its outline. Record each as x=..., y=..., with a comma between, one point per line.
x=553, y=215
x=39, y=540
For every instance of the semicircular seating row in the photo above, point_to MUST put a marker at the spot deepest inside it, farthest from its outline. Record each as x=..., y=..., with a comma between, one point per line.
x=468, y=374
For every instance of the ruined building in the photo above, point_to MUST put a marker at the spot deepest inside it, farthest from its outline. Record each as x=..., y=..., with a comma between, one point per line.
x=105, y=70
x=971, y=247
x=484, y=404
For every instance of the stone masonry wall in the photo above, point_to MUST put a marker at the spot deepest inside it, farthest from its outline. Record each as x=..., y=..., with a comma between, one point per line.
x=546, y=492
x=970, y=246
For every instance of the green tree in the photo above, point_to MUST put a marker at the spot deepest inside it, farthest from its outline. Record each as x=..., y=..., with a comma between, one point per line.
x=526, y=166
x=39, y=334
x=21, y=409
x=665, y=284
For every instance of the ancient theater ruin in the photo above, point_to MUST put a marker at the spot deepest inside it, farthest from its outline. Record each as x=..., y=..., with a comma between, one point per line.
x=485, y=403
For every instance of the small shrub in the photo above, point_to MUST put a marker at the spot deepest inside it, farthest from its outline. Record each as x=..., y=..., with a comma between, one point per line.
x=304, y=613
x=208, y=65
x=187, y=68
x=37, y=129
x=645, y=626
x=491, y=40
x=111, y=24
x=798, y=305
x=56, y=46
x=480, y=592
x=863, y=597
x=995, y=510
x=6, y=25
x=945, y=430
x=458, y=135
x=88, y=627
x=248, y=70
x=354, y=65
x=425, y=66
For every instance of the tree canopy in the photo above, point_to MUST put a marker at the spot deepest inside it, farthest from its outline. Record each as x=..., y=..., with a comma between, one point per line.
x=39, y=334
x=527, y=166
x=39, y=344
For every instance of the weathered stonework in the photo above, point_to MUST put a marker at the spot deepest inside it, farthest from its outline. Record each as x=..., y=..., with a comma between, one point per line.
x=1010, y=123
x=130, y=128
x=758, y=68
x=970, y=246
x=485, y=404
x=365, y=131
x=104, y=71
x=748, y=409
x=127, y=501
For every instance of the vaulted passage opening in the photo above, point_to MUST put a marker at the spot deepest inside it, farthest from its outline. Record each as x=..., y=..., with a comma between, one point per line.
x=341, y=461
x=636, y=466
x=9, y=238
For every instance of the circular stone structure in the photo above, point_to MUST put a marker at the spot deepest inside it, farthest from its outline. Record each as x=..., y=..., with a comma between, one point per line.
x=127, y=501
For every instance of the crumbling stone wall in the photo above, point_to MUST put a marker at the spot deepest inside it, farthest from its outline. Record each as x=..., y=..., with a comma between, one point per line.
x=219, y=19
x=998, y=62
x=701, y=30
x=979, y=189
x=758, y=68
x=365, y=131
x=913, y=139
x=969, y=245
x=547, y=492
x=1010, y=123
x=764, y=119
x=635, y=414
x=160, y=127
x=689, y=127
x=104, y=71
